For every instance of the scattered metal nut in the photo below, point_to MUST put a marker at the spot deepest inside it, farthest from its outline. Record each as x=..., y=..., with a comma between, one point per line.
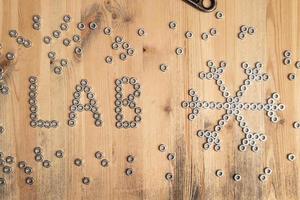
x=292, y=76
x=86, y=180
x=172, y=25
x=204, y=36
x=141, y=32
x=10, y=56
x=107, y=31
x=268, y=171
x=67, y=42
x=163, y=67
x=287, y=61
x=108, y=59
x=162, y=147
x=78, y=162
x=262, y=177
x=104, y=163
x=179, y=51
x=13, y=33
x=130, y=158
x=291, y=157
x=59, y=153
x=98, y=155
x=46, y=163
x=129, y=172
x=189, y=34
x=93, y=25
x=78, y=50
x=64, y=26
x=81, y=26
x=287, y=54
x=29, y=180
x=47, y=39
x=219, y=173
x=36, y=26
x=237, y=177
x=56, y=33
x=213, y=31
x=67, y=18
x=171, y=156
x=169, y=176
x=22, y=164
x=219, y=15
x=76, y=38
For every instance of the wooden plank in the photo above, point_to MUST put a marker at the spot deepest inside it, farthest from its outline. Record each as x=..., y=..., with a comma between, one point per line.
x=163, y=119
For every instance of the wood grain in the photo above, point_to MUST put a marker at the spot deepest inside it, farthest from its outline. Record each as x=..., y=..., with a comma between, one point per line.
x=164, y=121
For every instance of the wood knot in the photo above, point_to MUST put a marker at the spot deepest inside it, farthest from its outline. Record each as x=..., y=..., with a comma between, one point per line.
x=207, y=124
x=127, y=18
x=168, y=109
x=114, y=16
x=281, y=122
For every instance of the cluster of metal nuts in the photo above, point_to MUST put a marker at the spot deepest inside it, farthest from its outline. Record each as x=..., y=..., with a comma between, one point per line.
x=267, y=172
x=8, y=169
x=58, y=69
x=92, y=25
x=121, y=43
x=4, y=89
x=91, y=106
x=38, y=156
x=212, y=32
x=244, y=30
x=36, y=22
x=127, y=101
x=100, y=156
x=6, y=163
x=9, y=160
x=20, y=39
x=29, y=180
x=129, y=171
x=287, y=60
x=63, y=27
x=233, y=106
x=287, y=57
x=170, y=156
x=33, y=107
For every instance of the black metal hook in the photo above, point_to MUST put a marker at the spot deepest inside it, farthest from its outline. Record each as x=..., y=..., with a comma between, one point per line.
x=199, y=5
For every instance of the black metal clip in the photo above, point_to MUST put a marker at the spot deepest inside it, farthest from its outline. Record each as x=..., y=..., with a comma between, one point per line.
x=199, y=5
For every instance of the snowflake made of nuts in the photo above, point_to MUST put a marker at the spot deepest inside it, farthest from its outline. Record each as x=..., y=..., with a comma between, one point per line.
x=233, y=106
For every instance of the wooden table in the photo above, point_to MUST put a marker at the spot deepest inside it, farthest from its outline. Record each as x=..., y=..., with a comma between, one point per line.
x=164, y=121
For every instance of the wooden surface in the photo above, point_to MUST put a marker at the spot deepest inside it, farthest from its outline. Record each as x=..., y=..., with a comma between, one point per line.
x=164, y=121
